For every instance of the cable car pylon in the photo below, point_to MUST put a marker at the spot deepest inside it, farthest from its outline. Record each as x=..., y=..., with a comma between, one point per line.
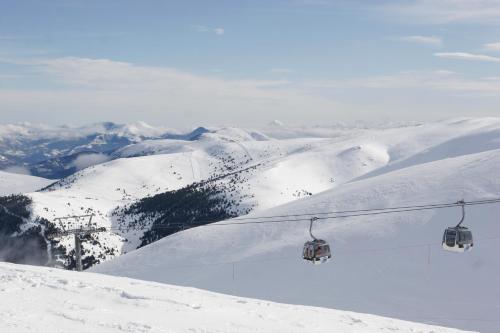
x=78, y=231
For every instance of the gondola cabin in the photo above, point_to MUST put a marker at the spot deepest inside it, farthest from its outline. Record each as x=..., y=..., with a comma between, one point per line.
x=457, y=239
x=317, y=251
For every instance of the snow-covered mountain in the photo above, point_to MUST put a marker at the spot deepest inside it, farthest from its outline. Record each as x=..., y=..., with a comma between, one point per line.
x=38, y=299
x=58, y=151
x=254, y=170
x=390, y=265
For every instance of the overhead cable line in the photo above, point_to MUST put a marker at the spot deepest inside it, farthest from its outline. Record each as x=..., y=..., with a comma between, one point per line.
x=320, y=215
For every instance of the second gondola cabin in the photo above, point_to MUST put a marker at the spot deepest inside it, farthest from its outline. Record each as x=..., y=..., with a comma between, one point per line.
x=317, y=251
x=457, y=239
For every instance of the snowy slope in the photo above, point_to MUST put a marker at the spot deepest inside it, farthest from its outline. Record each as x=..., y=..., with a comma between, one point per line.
x=387, y=264
x=321, y=162
x=101, y=188
x=42, y=300
x=12, y=183
x=309, y=161
x=173, y=164
x=285, y=169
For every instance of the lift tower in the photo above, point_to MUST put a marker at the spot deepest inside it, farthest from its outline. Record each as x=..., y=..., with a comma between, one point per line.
x=78, y=226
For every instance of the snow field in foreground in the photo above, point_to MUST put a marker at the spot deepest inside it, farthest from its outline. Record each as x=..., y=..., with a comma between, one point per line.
x=36, y=299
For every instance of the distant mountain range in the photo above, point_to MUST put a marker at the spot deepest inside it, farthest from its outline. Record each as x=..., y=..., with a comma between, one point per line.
x=57, y=152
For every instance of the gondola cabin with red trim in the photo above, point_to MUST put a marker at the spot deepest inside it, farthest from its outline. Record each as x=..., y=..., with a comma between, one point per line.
x=316, y=250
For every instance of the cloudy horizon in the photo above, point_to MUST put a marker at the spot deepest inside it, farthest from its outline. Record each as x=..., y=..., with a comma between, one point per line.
x=299, y=61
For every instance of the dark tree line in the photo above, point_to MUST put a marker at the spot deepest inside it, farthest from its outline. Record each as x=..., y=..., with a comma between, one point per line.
x=17, y=245
x=181, y=209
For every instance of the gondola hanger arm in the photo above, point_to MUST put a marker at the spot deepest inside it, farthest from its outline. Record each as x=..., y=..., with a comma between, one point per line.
x=311, y=225
x=461, y=203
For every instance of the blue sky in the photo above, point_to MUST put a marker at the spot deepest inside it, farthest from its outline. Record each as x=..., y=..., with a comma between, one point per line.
x=185, y=63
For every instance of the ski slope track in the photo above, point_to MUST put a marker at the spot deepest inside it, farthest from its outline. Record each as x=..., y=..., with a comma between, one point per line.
x=390, y=265
x=36, y=299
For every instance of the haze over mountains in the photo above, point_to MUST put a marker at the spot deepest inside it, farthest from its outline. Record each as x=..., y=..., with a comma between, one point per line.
x=145, y=183
x=58, y=151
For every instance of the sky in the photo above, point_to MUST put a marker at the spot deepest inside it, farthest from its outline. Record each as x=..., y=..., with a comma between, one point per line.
x=189, y=63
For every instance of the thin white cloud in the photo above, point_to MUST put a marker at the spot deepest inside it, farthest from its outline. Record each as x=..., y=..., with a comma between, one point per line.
x=443, y=72
x=21, y=170
x=203, y=29
x=90, y=89
x=85, y=160
x=440, y=80
x=467, y=56
x=94, y=89
x=492, y=47
x=110, y=74
x=445, y=11
x=219, y=31
x=429, y=40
